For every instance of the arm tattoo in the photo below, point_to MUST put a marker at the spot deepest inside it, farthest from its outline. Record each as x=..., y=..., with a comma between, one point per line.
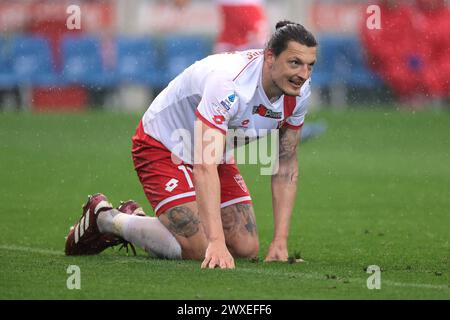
x=237, y=218
x=288, y=143
x=288, y=169
x=183, y=221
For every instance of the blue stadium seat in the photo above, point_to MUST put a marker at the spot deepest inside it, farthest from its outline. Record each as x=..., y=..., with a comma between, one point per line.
x=352, y=56
x=8, y=79
x=182, y=51
x=341, y=61
x=32, y=61
x=83, y=63
x=138, y=62
x=324, y=72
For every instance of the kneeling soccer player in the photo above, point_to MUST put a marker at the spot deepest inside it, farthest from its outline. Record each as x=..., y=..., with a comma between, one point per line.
x=203, y=208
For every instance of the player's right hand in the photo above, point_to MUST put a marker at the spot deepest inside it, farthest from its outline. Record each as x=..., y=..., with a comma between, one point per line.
x=217, y=255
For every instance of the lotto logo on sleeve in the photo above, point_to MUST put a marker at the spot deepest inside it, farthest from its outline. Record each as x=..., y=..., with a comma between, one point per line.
x=245, y=123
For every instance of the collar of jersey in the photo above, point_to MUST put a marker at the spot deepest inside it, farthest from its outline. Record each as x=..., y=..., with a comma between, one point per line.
x=260, y=89
x=247, y=82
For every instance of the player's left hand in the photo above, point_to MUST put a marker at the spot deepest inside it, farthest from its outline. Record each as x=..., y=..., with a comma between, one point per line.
x=277, y=251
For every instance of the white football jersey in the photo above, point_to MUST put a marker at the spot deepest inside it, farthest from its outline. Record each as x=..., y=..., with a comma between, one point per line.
x=225, y=92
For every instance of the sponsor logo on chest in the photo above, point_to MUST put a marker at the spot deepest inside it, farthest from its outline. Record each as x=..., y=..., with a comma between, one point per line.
x=264, y=112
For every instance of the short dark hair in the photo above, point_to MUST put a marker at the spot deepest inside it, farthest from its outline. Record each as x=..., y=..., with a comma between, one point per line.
x=289, y=31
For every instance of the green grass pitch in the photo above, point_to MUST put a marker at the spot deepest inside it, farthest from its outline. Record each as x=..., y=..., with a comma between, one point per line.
x=374, y=190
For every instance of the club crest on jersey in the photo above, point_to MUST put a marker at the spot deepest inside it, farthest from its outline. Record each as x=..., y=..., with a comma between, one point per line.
x=240, y=181
x=264, y=112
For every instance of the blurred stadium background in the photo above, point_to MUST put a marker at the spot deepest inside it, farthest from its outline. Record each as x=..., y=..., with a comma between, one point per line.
x=126, y=51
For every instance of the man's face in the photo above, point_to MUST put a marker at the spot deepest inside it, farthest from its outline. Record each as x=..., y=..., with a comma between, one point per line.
x=291, y=68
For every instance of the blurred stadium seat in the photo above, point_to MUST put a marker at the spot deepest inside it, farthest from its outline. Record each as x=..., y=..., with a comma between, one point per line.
x=321, y=76
x=138, y=62
x=341, y=61
x=32, y=62
x=153, y=62
x=7, y=77
x=83, y=63
x=352, y=57
x=118, y=53
x=182, y=51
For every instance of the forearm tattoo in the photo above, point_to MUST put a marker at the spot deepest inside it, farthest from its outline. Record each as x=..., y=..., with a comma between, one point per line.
x=287, y=145
x=239, y=218
x=183, y=221
x=288, y=170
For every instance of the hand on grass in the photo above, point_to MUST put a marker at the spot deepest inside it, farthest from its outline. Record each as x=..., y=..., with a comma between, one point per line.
x=217, y=255
x=277, y=251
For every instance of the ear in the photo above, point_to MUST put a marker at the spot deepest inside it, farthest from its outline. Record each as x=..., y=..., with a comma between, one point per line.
x=269, y=57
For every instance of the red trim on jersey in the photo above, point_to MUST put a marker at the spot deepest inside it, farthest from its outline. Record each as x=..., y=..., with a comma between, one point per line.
x=209, y=124
x=289, y=105
x=245, y=67
x=290, y=102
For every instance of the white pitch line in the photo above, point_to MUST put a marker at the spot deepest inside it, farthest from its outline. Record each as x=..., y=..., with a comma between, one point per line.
x=309, y=275
x=32, y=250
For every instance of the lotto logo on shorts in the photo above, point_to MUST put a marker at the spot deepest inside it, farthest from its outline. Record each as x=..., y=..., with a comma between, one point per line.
x=240, y=181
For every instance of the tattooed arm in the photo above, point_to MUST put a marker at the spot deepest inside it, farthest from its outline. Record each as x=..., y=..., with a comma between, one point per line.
x=284, y=188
